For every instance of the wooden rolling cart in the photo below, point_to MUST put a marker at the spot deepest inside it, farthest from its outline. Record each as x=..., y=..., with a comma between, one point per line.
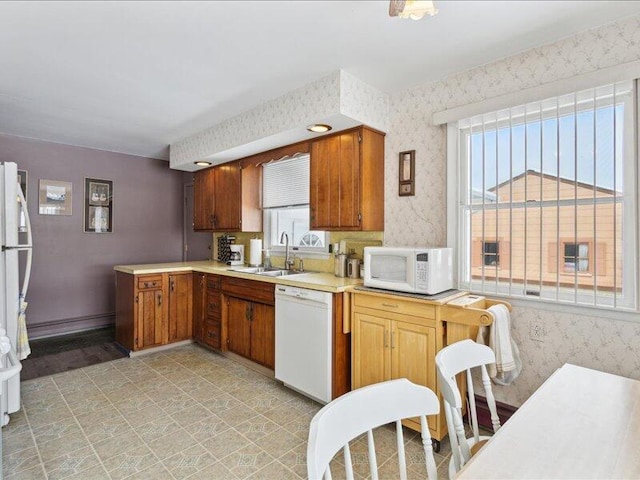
x=394, y=335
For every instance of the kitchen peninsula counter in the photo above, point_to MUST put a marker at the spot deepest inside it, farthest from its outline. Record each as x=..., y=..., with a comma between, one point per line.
x=323, y=281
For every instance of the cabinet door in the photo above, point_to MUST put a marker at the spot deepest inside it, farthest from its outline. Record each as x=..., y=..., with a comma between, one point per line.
x=203, y=198
x=239, y=326
x=227, y=206
x=180, y=307
x=150, y=319
x=199, y=297
x=334, y=200
x=263, y=338
x=324, y=187
x=371, y=358
x=413, y=350
x=348, y=210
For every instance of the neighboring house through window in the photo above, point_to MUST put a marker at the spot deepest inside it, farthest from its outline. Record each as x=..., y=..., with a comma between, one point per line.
x=547, y=199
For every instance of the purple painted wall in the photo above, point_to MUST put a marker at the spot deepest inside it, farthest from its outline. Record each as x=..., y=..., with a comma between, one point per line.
x=72, y=281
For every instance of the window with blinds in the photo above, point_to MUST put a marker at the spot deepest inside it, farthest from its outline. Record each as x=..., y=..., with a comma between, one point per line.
x=547, y=199
x=285, y=199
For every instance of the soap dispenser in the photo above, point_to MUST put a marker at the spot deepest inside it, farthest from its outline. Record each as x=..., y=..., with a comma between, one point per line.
x=267, y=258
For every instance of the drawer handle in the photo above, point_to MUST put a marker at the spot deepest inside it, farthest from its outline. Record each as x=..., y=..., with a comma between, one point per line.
x=392, y=305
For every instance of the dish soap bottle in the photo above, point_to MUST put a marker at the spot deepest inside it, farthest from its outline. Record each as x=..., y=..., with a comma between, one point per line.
x=267, y=258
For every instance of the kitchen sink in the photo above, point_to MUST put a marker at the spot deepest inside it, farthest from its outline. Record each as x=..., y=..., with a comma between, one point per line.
x=267, y=272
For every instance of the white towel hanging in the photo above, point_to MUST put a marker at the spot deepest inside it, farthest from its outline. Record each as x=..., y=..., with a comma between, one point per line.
x=498, y=337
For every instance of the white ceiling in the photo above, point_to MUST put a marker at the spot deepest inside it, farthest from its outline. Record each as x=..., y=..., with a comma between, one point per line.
x=134, y=77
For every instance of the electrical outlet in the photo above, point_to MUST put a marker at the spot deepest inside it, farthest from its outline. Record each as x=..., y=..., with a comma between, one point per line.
x=536, y=330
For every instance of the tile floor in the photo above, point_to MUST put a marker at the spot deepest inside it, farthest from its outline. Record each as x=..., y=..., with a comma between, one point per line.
x=178, y=414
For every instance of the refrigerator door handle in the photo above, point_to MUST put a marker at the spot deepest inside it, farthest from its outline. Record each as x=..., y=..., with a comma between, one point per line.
x=27, y=246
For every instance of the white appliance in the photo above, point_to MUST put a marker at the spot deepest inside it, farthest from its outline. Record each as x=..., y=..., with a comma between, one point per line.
x=237, y=255
x=303, y=340
x=417, y=270
x=14, y=218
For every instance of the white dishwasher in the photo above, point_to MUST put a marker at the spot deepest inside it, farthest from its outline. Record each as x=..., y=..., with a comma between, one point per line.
x=303, y=340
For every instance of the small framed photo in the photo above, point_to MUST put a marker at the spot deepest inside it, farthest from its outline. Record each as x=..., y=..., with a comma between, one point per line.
x=55, y=198
x=407, y=173
x=98, y=205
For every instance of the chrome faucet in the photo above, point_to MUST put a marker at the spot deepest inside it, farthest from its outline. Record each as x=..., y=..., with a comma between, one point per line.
x=287, y=263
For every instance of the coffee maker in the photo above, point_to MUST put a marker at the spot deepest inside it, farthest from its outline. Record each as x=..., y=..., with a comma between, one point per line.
x=237, y=255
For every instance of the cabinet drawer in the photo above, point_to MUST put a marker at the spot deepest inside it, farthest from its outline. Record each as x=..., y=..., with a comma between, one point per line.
x=396, y=305
x=212, y=334
x=148, y=282
x=251, y=290
x=213, y=303
x=213, y=282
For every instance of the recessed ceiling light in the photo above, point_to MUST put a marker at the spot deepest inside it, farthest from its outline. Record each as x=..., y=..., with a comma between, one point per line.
x=203, y=163
x=319, y=128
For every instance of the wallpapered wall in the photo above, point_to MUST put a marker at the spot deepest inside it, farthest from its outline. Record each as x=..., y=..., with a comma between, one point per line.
x=609, y=345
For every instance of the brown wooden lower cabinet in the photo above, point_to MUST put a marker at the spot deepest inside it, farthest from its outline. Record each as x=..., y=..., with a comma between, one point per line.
x=199, y=305
x=153, y=310
x=207, y=314
x=250, y=319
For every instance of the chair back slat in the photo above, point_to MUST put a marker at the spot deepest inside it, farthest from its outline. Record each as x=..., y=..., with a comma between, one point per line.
x=363, y=410
x=373, y=463
x=472, y=406
x=402, y=459
x=491, y=400
x=427, y=445
x=348, y=462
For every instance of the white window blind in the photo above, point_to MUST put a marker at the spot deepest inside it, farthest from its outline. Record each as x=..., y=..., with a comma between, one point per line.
x=547, y=199
x=285, y=183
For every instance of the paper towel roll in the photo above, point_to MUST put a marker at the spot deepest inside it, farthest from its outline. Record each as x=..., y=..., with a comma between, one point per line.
x=255, y=251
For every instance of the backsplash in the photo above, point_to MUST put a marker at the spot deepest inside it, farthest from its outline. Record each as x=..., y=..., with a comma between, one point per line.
x=358, y=240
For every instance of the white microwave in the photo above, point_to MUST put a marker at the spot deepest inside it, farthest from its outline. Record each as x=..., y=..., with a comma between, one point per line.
x=417, y=270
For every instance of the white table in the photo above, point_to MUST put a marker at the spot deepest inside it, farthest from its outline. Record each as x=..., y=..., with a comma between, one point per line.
x=580, y=424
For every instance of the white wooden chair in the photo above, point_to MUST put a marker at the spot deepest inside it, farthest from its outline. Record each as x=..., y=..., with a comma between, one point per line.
x=450, y=361
x=363, y=410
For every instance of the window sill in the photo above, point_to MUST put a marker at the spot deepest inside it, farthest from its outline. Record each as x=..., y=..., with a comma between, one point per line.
x=620, y=314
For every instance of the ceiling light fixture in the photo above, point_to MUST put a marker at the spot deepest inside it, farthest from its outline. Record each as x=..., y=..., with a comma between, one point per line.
x=413, y=9
x=319, y=128
x=203, y=163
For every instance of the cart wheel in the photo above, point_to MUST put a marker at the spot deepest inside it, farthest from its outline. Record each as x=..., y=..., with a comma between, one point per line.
x=436, y=445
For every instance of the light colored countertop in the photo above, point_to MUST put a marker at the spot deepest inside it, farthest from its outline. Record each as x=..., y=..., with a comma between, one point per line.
x=326, y=282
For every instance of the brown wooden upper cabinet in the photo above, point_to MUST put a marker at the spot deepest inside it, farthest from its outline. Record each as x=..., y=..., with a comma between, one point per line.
x=347, y=181
x=227, y=198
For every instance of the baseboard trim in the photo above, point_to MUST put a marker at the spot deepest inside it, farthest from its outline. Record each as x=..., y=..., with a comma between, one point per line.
x=148, y=351
x=70, y=325
x=484, y=414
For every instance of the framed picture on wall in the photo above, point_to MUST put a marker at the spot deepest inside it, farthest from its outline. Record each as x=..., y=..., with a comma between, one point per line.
x=98, y=205
x=54, y=198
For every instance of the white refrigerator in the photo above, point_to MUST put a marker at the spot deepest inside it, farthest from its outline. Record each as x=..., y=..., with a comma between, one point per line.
x=16, y=240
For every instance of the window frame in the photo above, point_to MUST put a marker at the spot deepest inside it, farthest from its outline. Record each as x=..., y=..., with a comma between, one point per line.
x=627, y=302
x=297, y=201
